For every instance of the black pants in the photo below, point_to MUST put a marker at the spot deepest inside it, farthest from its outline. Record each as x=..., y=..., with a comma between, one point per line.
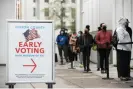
x=123, y=63
x=104, y=57
x=74, y=56
x=86, y=58
x=62, y=49
x=69, y=54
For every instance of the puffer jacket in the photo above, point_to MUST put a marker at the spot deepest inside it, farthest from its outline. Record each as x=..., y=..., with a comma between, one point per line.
x=123, y=36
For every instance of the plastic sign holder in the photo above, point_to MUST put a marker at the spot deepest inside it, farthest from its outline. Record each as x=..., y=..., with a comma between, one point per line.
x=31, y=56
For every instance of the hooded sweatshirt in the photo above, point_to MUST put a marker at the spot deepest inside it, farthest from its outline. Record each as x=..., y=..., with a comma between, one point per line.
x=62, y=40
x=123, y=36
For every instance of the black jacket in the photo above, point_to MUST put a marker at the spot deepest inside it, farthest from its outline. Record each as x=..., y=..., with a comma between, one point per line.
x=67, y=35
x=81, y=42
x=88, y=40
x=129, y=30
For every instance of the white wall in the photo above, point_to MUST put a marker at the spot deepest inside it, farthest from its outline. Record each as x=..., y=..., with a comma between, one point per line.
x=122, y=8
x=7, y=11
x=106, y=7
x=78, y=15
x=104, y=11
x=94, y=13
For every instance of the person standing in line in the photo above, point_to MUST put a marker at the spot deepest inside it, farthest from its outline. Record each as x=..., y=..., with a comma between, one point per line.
x=73, y=46
x=88, y=42
x=81, y=47
x=103, y=39
x=124, y=48
x=98, y=56
x=62, y=41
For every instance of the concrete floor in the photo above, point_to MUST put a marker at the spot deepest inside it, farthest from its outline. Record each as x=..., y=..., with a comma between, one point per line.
x=66, y=78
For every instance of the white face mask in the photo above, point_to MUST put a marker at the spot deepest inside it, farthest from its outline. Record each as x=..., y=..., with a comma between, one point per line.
x=66, y=31
x=78, y=35
x=62, y=32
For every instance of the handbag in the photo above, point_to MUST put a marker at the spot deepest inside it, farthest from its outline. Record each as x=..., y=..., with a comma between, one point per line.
x=94, y=47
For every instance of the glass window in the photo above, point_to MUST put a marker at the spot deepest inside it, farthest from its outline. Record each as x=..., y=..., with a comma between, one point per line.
x=34, y=0
x=63, y=1
x=46, y=11
x=46, y=1
x=73, y=1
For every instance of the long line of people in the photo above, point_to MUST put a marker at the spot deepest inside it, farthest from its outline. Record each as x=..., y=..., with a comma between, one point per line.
x=80, y=44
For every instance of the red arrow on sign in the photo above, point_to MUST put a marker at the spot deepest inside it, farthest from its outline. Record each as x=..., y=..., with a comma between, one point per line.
x=34, y=66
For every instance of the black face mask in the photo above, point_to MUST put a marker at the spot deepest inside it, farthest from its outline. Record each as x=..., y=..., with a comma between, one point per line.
x=104, y=28
x=86, y=32
x=126, y=25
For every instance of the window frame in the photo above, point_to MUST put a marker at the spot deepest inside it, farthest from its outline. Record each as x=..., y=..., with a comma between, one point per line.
x=46, y=10
x=46, y=1
x=74, y=1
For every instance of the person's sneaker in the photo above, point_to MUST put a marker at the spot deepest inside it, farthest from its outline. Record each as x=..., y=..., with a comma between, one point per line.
x=128, y=78
x=89, y=69
x=81, y=66
x=123, y=79
x=85, y=70
x=98, y=69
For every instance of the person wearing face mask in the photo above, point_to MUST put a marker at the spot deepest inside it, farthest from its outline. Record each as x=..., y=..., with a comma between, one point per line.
x=62, y=41
x=98, y=58
x=87, y=43
x=81, y=46
x=103, y=40
x=73, y=46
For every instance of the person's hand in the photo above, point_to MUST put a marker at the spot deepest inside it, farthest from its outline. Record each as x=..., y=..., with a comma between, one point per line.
x=61, y=39
x=107, y=43
x=101, y=43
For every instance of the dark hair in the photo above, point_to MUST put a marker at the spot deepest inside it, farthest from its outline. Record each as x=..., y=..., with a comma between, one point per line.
x=62, y=30
x=99, y=28
x=74, y=32
x=80, y=32
x=88, y=27
x=66, y=29
x=101, y=24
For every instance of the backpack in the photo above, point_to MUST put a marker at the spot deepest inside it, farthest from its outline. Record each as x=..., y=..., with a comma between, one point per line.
x=94, y=46
x=115, y=40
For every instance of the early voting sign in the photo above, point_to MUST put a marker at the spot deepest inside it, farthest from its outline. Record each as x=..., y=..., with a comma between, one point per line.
x=30, y=51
